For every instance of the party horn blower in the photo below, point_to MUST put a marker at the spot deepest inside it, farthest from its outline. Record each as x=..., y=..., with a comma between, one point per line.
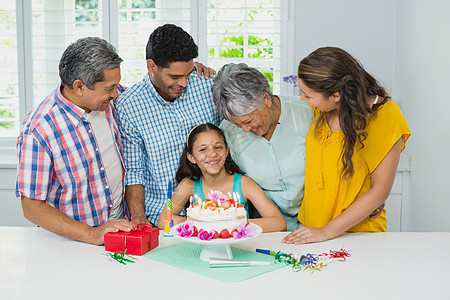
x=169, y=214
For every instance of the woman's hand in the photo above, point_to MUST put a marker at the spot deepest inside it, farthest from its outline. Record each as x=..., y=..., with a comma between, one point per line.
x=307, y=235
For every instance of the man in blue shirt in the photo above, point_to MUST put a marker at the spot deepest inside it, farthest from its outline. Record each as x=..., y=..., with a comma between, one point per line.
x=155, y=117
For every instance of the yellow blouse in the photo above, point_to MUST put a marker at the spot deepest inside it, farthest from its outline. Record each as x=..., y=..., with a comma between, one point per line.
x=326, y=195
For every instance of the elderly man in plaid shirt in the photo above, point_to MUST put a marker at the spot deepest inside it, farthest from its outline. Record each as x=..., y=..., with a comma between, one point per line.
x=71, y=172
x=155, y=117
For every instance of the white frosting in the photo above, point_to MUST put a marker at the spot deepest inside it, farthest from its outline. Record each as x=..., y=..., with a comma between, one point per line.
x=217, y=219
x=220, y=214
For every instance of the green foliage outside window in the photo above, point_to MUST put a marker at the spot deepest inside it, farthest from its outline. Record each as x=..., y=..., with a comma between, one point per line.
x=86, y=12
x=233, y=40
x=234, y=45
x=7, y=21
x=8, y=125
x=228, y=49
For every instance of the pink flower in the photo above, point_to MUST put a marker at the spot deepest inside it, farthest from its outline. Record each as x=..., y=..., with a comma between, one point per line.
x=244, y=231
x=186, y=229
x=217, y=195
x=205, y=235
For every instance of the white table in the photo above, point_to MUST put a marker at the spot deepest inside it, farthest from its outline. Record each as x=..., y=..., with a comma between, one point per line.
x=36, y=264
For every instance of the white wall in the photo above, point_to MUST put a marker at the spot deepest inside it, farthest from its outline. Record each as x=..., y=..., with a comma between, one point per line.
x=365, y=29
x=422, y=82
x=405, y=44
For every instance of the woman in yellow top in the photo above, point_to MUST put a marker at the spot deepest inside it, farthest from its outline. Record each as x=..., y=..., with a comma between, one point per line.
x=352, y=148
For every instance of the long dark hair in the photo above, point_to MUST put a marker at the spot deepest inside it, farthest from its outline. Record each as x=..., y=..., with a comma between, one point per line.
x=192, y=171
x=328, y=70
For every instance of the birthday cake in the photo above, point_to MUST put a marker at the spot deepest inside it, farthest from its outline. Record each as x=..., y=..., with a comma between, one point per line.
x=217, y=217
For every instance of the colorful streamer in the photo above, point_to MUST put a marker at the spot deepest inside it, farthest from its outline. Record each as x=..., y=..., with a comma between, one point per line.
x=309, y=262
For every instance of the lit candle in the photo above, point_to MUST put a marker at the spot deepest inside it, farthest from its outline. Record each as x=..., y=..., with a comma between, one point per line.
x=199, y=202
x=190, y=201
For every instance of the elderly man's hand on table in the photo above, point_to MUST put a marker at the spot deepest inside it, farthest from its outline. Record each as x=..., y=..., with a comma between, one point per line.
x=97, y=233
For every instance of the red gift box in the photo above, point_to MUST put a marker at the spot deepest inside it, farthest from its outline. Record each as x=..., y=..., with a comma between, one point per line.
x=139, y=241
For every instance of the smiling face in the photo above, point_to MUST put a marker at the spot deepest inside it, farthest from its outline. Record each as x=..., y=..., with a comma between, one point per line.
x=318, y=100
x=170, y=81
x=258, y=121
x=209, y=152
x=103, y=92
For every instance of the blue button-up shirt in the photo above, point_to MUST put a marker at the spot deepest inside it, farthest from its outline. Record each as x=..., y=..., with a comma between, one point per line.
x=154, y=133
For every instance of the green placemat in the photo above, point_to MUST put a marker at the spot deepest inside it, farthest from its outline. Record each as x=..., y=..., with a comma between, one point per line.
x=186, y=256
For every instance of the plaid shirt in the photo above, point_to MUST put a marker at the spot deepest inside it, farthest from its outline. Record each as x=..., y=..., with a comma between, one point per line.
x=59, y=160
x=154, y=132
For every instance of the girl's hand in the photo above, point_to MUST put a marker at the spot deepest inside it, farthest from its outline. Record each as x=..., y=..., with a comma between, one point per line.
x=307, y=235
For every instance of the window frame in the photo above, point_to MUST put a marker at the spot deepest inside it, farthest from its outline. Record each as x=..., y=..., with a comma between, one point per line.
x=110, y=12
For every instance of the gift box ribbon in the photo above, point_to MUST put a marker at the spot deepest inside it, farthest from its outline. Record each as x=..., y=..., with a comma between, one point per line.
x=137, y=228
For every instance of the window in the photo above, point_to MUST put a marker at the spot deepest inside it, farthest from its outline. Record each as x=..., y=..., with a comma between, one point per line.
x=54, y=25
x=137, y=19
x=9, y=75
x=36, y=32
x=245, y=33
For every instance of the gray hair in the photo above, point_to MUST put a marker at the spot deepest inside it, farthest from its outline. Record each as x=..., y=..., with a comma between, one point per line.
x=85, y=60
x=238, y=90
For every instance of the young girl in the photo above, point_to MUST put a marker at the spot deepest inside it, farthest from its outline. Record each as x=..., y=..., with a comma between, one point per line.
x=352, y=148
x=206, y=165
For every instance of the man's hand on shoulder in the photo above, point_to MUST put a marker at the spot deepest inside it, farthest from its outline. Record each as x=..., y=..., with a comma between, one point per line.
x=97, y=233
x=203, y=70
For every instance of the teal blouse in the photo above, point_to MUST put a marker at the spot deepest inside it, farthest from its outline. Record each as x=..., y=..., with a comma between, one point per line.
x=237, y=188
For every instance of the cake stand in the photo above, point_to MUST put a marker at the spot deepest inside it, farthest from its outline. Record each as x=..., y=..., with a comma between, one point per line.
x=216, y=248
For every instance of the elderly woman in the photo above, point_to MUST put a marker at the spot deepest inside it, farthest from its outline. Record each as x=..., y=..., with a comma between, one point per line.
x=266, y=135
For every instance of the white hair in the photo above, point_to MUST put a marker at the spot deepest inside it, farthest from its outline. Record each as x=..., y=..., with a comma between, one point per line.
x=238, y=90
